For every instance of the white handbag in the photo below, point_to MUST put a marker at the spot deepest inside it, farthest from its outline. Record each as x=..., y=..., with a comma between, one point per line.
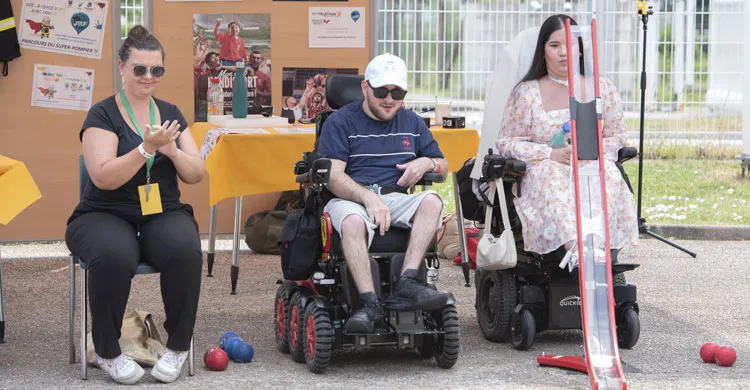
x=496, y=253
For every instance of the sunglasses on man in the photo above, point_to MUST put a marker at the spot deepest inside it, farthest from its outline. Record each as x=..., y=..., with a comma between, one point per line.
x=141, y=70
x=382, y=92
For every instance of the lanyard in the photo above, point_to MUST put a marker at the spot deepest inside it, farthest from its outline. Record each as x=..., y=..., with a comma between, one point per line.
x=152, y=116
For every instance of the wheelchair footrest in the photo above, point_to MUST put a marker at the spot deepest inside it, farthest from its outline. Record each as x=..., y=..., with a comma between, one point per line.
x=402, y=340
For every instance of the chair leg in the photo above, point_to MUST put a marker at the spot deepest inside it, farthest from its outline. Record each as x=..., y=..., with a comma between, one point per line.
x=84, y=320
x=191, y=363
x=72, y=311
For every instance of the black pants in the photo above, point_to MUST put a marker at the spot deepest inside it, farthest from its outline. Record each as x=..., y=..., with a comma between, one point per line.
x=112, y=249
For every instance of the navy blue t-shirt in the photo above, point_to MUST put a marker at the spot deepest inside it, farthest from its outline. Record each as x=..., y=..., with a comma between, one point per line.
x=372, y=148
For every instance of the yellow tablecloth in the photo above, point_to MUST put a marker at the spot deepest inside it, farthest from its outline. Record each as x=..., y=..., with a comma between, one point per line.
x=17, y=189
x=248, y=164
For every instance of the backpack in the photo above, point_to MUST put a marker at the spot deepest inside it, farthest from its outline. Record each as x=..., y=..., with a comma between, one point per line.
x=300, y=243
x=473, y=208
x=263, y=229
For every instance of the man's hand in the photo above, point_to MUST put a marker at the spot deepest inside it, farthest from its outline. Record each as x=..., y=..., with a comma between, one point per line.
x=414, y=170
x=378, y=212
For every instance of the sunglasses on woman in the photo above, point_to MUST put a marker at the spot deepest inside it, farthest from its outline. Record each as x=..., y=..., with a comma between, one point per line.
x=382, y=92
x=141, y=70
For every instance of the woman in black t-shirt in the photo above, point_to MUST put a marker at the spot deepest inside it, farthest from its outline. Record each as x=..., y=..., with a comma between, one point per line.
x=130, y=210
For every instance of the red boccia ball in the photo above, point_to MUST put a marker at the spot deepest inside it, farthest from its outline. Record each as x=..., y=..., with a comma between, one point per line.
x=725, y=356
x=708, y=351
x=216, y=359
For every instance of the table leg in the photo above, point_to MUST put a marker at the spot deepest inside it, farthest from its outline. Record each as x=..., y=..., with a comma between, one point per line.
x=461, y=232
x=236, y=243
x=2, y=306
x=211, y=241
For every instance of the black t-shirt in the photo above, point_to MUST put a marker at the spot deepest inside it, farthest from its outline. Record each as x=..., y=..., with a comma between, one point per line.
x=124, y=201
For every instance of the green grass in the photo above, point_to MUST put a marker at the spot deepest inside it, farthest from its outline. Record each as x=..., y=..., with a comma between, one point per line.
x=689, y=192
x=703, y=123
x=692, y=192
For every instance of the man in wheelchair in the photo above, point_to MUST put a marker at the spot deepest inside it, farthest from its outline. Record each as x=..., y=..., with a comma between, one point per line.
x=377, y=153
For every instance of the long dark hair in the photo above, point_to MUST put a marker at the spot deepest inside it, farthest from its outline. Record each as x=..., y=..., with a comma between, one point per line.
x=538, y=67
x=141, y=39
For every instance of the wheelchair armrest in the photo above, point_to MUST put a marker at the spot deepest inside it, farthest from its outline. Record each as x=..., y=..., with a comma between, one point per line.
x=429, y=178
x=626, y=153
x=319, y=173
x=496, y=166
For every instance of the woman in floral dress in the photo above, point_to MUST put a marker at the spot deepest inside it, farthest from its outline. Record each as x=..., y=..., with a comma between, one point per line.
x=535, y=111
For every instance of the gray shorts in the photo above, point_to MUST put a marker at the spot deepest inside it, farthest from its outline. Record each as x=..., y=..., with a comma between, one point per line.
x=402, y=206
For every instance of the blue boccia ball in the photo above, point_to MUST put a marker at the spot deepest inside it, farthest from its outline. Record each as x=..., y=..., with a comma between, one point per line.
x=242, y=352
x=224, y=340
x=232, y=344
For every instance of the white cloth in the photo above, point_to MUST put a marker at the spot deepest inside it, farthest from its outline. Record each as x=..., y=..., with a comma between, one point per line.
x=514, y=60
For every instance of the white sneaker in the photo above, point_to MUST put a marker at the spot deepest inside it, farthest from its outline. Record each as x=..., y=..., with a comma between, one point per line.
x=121, y=369
x=169, y=366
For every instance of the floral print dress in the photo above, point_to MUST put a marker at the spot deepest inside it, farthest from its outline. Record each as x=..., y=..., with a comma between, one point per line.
x=546, y=205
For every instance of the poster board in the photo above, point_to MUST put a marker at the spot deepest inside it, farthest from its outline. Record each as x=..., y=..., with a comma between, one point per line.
x=46, y=139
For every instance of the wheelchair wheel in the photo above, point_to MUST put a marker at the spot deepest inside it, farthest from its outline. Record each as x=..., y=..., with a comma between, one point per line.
x=496, y=299
x=628, y=328
x=446, y=351
x=280, y=322
x=523, y=330
x=318, y=338
x=294, y=329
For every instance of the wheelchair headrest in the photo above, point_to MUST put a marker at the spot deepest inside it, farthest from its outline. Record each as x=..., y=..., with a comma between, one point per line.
x=342, y=89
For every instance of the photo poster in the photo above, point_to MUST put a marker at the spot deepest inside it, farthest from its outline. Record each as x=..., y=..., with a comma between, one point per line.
x=64, y=26
x=62, y=87
x=303, y=90
x=219, y=41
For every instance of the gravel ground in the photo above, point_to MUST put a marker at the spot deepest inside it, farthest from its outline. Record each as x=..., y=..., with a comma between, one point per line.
x=684, y=302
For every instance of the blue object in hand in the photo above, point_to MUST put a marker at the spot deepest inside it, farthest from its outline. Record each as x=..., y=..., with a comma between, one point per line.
x=559, y=139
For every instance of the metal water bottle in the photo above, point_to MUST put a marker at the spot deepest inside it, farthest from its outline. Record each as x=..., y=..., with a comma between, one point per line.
x=239, y=92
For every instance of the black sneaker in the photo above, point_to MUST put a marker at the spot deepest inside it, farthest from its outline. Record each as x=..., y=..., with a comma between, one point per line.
x=369, y=318
x=412, y=294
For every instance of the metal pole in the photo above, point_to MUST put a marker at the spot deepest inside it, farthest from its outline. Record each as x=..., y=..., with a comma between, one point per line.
x=84, y=320
x=746, y=87
x=461, y=231
x=72, y=310
x=236, y=243
x=211, y=241
x=2, y=306
x=115, y=26
x=373, y=19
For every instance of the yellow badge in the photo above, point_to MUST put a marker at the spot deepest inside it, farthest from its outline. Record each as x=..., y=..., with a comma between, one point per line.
x=150, y=199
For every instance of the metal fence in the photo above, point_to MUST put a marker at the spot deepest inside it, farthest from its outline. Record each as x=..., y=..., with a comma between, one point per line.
x=694, y=58
x=131, y=14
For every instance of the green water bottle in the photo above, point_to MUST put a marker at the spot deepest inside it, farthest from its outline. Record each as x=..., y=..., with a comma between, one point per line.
x=239, y=92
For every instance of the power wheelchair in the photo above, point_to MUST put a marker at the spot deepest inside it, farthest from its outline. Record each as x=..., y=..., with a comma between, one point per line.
x=536, y=295
x=309, y=315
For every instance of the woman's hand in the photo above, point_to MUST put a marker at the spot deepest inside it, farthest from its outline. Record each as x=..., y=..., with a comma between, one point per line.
x=562, y=155
x=162, y=138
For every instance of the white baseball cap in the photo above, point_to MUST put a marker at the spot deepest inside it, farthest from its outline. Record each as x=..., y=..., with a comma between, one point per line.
x=386, y=69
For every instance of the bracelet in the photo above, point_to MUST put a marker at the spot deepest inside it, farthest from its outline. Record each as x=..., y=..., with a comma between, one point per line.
x=436, y=167
x=143, y=152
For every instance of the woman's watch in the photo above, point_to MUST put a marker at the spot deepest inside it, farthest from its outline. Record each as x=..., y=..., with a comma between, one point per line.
x=143, y=152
